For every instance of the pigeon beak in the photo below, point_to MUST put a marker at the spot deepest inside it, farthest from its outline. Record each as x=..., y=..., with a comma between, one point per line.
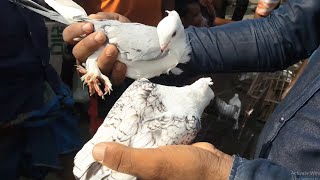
x=163, y=47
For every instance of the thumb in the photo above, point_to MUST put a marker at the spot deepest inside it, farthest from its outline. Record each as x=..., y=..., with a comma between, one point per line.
x=142, y=163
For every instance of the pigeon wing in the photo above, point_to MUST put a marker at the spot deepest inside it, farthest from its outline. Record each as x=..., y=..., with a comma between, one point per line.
x=140, y=119
x=136, y=42
x=163, y=126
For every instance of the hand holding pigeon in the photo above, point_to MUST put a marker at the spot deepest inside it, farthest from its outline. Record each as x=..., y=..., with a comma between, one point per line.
x=147, y=115
x=179, y=162
x=107, y=61
x=147, y=51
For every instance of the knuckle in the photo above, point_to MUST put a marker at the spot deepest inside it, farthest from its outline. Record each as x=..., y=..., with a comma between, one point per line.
x=122, y=161
x=111, y=51
x=76, y=53
x=80, y=52
x=161, y=166
x=66, y=34
x=72, y=31
x=87, y=43
x=159, y=170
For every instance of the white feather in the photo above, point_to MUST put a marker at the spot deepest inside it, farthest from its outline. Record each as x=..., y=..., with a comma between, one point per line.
x=67, y=8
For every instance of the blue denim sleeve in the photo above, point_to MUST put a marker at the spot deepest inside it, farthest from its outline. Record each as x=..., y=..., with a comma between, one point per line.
x=288, y=35
x=261, y=169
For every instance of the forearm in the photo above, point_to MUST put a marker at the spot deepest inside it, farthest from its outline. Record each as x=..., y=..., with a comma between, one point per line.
x=220, y=166
x=289, y=34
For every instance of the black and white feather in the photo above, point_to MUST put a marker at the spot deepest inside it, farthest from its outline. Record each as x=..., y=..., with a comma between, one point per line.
x=147, y=115
x=235, y=101
x=231, y=109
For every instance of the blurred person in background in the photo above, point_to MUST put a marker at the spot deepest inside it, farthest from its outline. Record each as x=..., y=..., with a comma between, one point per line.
x=38, y=130
x=191, y=14
x=265, y=7
x=208, y=8
x=238, y=13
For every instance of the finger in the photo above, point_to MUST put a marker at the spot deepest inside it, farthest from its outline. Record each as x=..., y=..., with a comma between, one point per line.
x=142, y=163
x=118, y=73
x=205, y=145
x=112, y=16
x=108, y=63
x=107, y=59
x=76, y=30
x=97, y=16
x=89, y=45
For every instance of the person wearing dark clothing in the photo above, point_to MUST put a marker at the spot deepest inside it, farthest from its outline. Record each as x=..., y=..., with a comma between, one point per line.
x=37, y=126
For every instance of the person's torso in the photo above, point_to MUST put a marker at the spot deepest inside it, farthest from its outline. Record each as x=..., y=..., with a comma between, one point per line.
x=291, y=136
x=23, y=56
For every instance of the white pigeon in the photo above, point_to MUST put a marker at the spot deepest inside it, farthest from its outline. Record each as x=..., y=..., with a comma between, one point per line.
x=225, y=108
x=147, y=51
x=147, y=115
x=235, y=101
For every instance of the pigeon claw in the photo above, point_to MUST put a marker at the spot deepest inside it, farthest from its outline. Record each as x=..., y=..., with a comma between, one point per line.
x=81, y=69
x=94, y=81
x=96, y=85
x=107, y=84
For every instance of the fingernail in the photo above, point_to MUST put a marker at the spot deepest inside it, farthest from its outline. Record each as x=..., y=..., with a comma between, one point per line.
x=119, y=66
x=110, y=51
x=99, y=37
x=87, y=27
x=98, y=151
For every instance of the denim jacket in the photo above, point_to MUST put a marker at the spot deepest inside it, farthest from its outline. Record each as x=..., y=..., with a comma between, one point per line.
x=289, y=145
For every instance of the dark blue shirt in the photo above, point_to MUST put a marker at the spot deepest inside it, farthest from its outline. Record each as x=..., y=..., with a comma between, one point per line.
x=24, y=56
x=35, y=104
x=289, y=145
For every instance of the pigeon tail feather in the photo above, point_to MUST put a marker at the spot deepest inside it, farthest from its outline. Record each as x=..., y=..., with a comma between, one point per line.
x=41, y=10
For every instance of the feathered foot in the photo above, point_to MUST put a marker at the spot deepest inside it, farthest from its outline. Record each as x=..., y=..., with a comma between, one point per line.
x=94, y=80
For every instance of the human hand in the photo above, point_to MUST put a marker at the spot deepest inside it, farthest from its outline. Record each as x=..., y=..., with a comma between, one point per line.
x=92, y=41
x=198, y=161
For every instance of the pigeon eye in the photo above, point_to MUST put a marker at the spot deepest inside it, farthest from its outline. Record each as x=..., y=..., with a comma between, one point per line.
x=174, y=34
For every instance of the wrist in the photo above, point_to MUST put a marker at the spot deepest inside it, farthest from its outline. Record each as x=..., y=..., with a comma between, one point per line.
x=225, y=164
x=221, y=168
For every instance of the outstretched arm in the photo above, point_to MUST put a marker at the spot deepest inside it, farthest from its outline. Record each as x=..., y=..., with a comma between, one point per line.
x=287, y=35
x=197, y=161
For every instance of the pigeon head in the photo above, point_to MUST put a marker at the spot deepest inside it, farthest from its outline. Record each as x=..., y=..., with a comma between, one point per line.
x=194, y=97
x=169, y=30
x=202, y=85
x=202, y=93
